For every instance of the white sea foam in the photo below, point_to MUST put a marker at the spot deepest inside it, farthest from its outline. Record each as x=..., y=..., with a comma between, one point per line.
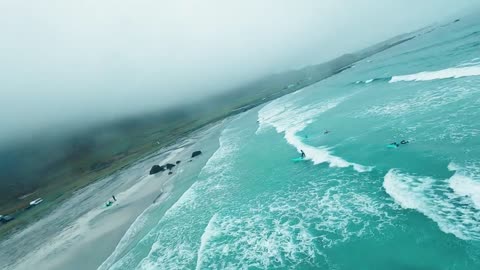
x=426, y=100
x=466, y=182
x=455, y=72
x=465, y=186
x=177, y=256
x=216, y=167
x=453, y=203
x=289, y=118
x=209, y=234
x=171, y=245
x=472, y=62
x=294, y=227
x=452, y=166
x=321, y=154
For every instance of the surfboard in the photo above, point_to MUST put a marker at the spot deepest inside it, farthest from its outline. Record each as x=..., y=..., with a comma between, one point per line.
x=391, y=146
x=298, y=159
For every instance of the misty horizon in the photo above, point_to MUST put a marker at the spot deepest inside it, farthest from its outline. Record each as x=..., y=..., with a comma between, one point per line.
x=70, y=65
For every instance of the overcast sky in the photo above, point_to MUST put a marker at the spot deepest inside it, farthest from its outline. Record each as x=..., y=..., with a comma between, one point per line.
x=92, y=60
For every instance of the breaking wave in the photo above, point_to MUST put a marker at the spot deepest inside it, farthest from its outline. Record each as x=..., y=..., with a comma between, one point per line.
x=290, y=119
x=453, y=203
x=449, y=73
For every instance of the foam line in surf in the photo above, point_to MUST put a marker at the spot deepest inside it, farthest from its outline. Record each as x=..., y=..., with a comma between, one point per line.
x=321, y=155
x=451, y=203
x=449, y=73
x=466, y=182
x=207, y=235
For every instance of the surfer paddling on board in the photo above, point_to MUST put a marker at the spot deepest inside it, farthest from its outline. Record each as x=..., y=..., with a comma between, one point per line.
x=395, y=144
x=302, y=153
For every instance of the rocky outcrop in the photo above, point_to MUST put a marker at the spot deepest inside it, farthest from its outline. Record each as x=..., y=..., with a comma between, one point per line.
x=156, y=169
x=169, y=166
x=196, y=153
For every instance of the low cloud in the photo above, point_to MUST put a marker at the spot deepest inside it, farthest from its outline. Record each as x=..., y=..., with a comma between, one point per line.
x=65, y=63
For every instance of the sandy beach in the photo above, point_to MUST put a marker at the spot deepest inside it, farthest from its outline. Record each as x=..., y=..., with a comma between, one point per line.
x=82, y=233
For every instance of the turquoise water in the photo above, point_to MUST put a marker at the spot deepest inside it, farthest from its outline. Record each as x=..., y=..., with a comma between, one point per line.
x=354, y=204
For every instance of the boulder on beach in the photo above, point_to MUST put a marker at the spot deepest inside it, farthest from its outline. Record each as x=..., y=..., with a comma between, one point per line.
x=196, y=153
x=169, y=166
x=156, y=169
x=178, y=161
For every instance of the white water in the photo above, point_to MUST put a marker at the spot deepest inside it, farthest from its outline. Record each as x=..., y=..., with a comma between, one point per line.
x=466, y=182
x=452, y=203
x=207, y=235
x=454, y=72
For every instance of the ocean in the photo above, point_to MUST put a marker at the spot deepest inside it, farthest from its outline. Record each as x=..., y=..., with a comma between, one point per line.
x=353, y=203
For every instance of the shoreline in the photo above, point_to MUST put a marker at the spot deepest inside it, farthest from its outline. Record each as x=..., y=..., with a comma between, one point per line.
x=69, y=246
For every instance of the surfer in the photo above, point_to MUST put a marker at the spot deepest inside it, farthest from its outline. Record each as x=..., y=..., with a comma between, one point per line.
x=326, y=132
x=113, y=197
x=404, y=142
x=395, y=143
x=302, y=153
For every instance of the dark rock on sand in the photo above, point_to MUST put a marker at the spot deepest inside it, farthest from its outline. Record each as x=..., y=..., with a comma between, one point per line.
x=156, y=169
x=196, y=153
x=169, y=166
